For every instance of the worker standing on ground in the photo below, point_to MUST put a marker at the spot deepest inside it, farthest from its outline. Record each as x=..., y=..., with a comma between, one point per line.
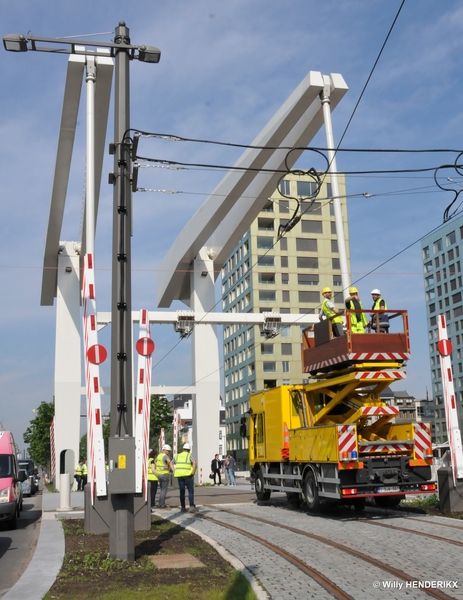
x=83, y=481
x=163, y=467
x=78, y=475
x=185, y=468
x=152, y=477
x=329, y=311
x=379, y=304
x=358, y=320
x=230, y=464
x=216, y=466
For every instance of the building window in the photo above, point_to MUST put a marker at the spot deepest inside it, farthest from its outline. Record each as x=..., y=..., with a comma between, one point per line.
x=307, y=279
x=311, y=208
x=269, y=383
x=306, y=262
x=285, y=295
x=284, y=187
x=432, y=307
x=266, y=261
x=426, y=252
x=269, y=366
x=265, y=224
x=264, y=243
x=285, y=366
x=429, y=280
x=285, y=331
x=284, y=262
x=337, y=282
x=437, y=246
x=450, y=254
x=267, y=295
x=428, y=267
x=283, y=244
x=458, y=311
x=284, y=278
x=309, y=296
x=450, y=238
x=306, y=245
x=287, y=350
x=334, y=246
x=335, y=263
x=267, y=348
x=306, y=188
x=311, y=226
x=284, y=205
x=267, y=278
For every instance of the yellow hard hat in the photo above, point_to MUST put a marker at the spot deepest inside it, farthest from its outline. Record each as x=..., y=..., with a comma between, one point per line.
x=325, y=290
x=353, y=290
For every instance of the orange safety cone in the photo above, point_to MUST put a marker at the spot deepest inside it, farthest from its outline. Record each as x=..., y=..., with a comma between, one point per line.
x=285, y=449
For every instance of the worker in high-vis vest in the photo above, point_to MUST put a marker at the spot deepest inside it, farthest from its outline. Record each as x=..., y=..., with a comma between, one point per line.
x=78, y=476
x=83, y=482
x=379, y=304
x=358, y=320
x=329, y=311
x=185, y=468
x=152, y=477
x=164, y=466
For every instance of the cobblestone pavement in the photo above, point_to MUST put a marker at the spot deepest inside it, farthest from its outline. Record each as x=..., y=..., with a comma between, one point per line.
x=431, y=562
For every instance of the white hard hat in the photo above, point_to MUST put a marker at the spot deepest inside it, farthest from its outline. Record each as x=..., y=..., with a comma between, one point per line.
x=375, y=291
x=150, y=450
x=186, y=446
x=166, y=447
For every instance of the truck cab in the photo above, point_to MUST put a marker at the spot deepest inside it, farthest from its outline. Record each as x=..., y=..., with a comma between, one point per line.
x=10, y=487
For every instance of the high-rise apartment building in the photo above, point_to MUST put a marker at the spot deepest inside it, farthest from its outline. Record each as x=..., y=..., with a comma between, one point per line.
x=264, y=274
x=441, y=251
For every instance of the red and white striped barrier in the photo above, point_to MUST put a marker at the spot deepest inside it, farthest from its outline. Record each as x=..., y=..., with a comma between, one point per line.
x=144, y=347
x=453, y=430
x=162, y=439
x=94, y=355
x=176, y=429
x=53, y=451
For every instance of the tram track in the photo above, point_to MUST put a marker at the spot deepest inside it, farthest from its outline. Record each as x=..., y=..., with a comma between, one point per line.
x=326, y=583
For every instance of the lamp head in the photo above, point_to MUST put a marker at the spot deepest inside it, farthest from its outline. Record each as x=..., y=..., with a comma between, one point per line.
x=149, y=54
x=15, y=42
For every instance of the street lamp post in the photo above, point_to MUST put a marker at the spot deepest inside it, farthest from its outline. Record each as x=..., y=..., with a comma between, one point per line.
x=121, y=499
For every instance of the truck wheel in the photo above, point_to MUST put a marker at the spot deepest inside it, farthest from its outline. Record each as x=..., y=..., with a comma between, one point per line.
x=310, y=491
x=262, y=494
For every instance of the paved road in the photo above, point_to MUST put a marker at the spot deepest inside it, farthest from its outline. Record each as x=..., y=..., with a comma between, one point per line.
x=17, y=546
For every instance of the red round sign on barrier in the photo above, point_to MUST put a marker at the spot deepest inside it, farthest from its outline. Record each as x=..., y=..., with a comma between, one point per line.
x=444, y=347
x=145, y=346
x=97, y=354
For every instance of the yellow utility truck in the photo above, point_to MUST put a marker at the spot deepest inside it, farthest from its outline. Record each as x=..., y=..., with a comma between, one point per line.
x=334, y=439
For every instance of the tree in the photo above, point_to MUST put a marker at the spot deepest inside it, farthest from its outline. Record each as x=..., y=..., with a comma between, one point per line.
x=160, y=416
x=37, y=435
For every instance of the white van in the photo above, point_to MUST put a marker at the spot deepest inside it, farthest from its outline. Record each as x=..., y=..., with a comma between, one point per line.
x=10, y=491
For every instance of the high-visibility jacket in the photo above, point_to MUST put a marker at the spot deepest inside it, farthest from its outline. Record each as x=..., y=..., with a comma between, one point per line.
x=84, y=469
x=358, y=321
x=377, y=304
x=78, y=471
x=183, y=465
x=329, y=312
x=161, y=467
x=151, y=475
x=383, y=317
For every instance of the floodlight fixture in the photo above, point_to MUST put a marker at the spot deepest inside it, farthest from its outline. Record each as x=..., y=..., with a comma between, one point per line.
x=17, y=42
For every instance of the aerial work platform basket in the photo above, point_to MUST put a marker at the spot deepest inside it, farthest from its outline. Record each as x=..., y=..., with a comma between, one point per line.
x=321, y=353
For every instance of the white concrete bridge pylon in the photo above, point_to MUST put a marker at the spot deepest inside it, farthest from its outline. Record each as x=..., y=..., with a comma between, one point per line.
x=223, y=218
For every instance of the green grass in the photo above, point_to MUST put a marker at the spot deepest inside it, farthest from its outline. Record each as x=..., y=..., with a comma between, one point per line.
x=418, y=501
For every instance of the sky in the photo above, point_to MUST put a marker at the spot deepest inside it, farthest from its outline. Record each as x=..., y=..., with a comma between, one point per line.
x=225, y=69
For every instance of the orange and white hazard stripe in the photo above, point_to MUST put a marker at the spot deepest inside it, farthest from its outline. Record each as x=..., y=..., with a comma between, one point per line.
x=381, y=375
